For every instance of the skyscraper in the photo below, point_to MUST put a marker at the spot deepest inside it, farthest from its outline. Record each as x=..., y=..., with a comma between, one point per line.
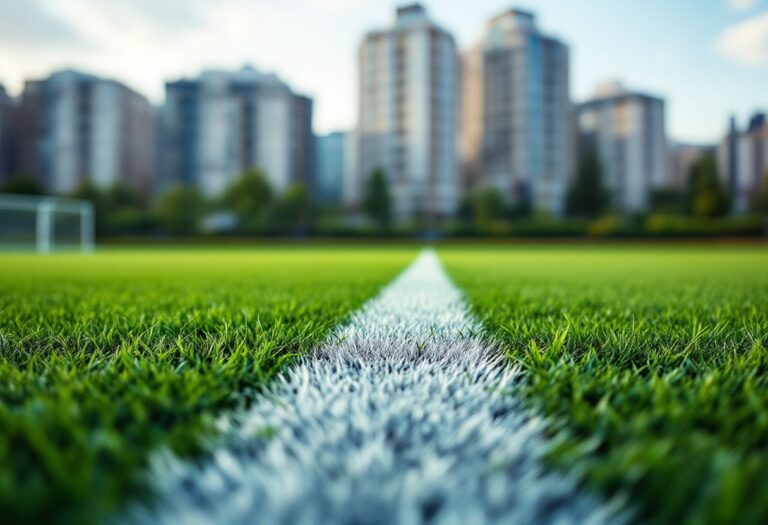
x=217, y=126
x=407, y=125
x=6, y=135
x=743, y=160
x=303, y=141
x=75, y=127
x=516, y=113
x=626, y=130
x=331, y=153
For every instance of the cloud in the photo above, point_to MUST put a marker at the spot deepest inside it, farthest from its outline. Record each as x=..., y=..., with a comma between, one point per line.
x=742, y=5
x=144, y=43
x=170, y=14
x=31, y=25
x=335, y=5
x=746, y=42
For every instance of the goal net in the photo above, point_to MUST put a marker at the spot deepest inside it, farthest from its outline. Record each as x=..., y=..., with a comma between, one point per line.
x=45, y=224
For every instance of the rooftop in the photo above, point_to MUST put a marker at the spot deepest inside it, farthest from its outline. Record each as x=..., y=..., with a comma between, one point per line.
x=614, y=89
x=514, y=13
x=408, y=17
x=411, y=12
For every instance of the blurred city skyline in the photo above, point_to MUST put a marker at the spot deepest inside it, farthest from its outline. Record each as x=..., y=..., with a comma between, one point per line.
x=709, y=59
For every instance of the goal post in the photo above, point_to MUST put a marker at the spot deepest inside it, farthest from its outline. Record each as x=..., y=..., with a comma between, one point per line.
x=45, y=223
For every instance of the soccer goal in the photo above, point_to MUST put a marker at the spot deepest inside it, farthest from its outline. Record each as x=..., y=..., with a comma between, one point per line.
x=45, y=224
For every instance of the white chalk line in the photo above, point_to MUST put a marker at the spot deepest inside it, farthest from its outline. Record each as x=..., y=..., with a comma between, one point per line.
x=406, y=415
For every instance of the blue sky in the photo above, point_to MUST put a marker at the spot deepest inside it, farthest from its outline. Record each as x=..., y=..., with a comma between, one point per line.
x=708, y=58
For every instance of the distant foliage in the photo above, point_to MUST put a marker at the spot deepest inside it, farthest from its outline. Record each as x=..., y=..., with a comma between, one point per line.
x=587, y=196
x=378, y=202
x=488, y=206
x=759, y=202
x=668, y=200
x=706, y=195
x=251, y=198
x=23, y=185
x=293, y=210
x=482, y=208
x=119, y=209
x=181, y=209
x=260, y=209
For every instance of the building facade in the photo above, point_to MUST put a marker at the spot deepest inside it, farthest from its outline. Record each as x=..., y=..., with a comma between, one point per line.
x=331, y=163
x=408, y=118
x=221, y=124
x=516, y=113
x=75, y=128
x=303, y=142
x=743, y=160
x=627, y=132
x=6, y=137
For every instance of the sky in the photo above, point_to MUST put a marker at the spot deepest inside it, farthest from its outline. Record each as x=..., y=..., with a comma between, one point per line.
x=708, y=58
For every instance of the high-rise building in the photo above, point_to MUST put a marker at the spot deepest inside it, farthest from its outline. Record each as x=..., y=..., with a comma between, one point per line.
x=6, y=137
x=303, y=141
x=626, y=130
x=331, y=162
x=743, y=160
x=74, y=127
x=516, y=113
x=409, y=89
x=217, y=126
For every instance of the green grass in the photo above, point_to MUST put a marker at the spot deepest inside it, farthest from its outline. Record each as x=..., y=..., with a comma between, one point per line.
x=105, y=358
x=652, y=364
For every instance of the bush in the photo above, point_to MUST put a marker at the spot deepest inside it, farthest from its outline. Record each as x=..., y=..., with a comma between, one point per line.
x=251, y=198
x=181, y=209
x=606, y=226
x=682, y=226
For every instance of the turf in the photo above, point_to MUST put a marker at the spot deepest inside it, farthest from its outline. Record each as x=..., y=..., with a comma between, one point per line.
x=105, y=358
x=403, y=417
x=652, y=364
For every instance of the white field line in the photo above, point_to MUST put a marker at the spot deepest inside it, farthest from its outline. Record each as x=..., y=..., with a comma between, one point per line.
x=404, y=416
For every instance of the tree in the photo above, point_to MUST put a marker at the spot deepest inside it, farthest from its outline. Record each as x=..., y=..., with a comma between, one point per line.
x=488, y=206
x=88, y=191
x=466, y=210
x=181, y=209
x=587, y=196
x=706, y=195
x=294, y=208
x=23, y=185
x=251, y=199
x=378, y=203
x=759, y=202
x=119, y=209
x=121, y=196
x=668, y=200
x=521, y=206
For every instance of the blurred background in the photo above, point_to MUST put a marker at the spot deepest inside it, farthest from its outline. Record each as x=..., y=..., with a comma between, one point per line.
x=155, y=120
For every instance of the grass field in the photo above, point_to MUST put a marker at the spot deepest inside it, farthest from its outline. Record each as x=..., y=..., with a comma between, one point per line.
x=105, y=358
x=652, y=364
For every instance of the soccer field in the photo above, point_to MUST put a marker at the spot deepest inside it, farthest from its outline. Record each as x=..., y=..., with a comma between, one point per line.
x=648, y=365
x=651, y=364
x=105, y=358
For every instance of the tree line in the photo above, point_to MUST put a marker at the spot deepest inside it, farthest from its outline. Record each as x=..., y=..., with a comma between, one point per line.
x=250, y=201
x=250, y=206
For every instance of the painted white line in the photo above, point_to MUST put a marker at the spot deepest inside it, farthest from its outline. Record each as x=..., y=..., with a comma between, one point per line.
x=403, y=416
